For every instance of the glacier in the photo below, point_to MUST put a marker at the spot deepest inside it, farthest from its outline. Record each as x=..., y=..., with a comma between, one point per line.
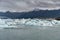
x=16, y=23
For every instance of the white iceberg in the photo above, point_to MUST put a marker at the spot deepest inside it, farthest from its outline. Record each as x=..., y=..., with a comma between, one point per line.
x=35, y=22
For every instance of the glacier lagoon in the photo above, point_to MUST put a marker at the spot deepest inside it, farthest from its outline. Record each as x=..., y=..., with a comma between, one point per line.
x=29, y=29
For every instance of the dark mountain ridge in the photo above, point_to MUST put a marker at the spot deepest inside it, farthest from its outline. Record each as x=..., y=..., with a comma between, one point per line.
x=31, y=14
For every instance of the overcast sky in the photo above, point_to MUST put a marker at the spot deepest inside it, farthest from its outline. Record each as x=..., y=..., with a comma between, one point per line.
x=25, y=5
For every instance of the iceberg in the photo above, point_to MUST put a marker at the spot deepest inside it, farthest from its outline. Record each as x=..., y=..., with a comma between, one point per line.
x=16, y=23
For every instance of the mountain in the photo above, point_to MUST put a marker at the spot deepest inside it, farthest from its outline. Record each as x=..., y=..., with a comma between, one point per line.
x=31, y=14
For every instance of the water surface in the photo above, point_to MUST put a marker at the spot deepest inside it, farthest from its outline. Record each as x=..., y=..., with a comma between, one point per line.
x=30, y=34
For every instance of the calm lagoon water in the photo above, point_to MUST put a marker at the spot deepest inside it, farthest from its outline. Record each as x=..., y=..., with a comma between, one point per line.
x=30, y=34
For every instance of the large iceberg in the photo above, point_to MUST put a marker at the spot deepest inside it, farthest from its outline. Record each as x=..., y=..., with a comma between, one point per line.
x=29, y=22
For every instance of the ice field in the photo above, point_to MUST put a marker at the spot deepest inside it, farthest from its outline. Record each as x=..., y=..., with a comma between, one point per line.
x=16, y=23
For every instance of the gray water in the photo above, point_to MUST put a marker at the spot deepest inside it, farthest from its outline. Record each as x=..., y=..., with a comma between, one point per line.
x=30, y=34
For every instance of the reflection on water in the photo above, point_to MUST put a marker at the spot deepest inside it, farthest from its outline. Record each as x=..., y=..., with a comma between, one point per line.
x=30, y=34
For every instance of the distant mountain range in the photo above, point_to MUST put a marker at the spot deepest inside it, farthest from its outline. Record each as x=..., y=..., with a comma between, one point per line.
x=31, y=14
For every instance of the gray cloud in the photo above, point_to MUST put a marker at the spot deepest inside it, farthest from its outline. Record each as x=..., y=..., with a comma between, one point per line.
x=25, y=5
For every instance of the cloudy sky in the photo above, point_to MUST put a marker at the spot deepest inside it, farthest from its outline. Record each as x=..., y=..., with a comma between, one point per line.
x=25, y=5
